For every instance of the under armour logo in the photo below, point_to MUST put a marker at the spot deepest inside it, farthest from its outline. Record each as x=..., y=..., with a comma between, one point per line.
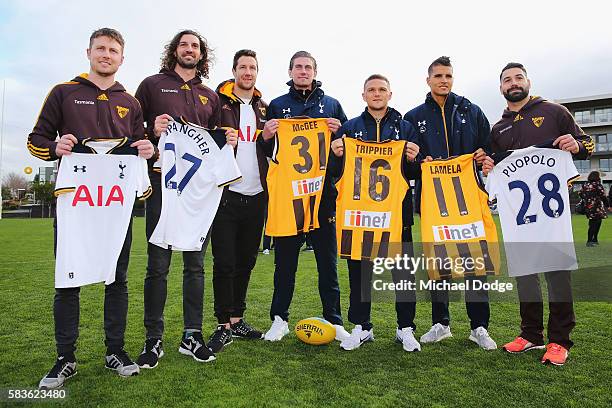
x=121, y=167
x=288, y=110
x=359, y=134
x=423, y=123
x=81, y=168
x=321, y=107
x=71, y=275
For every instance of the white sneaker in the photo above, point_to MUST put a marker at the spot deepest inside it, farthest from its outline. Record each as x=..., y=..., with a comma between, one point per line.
x=341, y=333
x=406, y=337
x=266, y=252
x=481, y=337
x=278, y=330
x=437, y=332
x=357, y=337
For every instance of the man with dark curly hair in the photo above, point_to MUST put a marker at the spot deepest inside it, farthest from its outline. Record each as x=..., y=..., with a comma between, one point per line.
x=176, y=91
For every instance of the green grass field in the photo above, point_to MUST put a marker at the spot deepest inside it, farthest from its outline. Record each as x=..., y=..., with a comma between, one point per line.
x=452, y=373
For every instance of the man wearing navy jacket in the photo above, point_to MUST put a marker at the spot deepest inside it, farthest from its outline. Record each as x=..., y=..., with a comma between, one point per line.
x=450, y=125
x=306, y=98
x=378, y=123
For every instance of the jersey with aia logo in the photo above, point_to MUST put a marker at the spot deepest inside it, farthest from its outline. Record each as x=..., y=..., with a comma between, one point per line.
x=95, y=196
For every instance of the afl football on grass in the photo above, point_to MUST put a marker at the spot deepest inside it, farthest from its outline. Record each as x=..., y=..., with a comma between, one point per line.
x=315, y=331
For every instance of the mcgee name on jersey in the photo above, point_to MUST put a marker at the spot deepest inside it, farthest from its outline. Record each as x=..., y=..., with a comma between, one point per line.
x=442, y=233
x=367, y=219
x=307, y=186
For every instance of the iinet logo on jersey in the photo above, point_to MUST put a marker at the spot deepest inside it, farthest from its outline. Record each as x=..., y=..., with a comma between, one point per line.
x=463, y=232
x=307, y=186
x=367, y=219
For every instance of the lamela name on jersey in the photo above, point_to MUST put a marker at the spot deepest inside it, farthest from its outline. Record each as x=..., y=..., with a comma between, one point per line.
x=456, y=222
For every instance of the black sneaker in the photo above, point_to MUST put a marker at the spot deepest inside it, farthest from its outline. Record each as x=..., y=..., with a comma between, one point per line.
x=193, y=345
x=120, y=362
x=151, y=353
x=64, y=368
x=244, y=330
x=220, y=338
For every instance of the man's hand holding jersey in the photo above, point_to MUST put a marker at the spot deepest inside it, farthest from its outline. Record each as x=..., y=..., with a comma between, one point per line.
x=270, y=129
x=65, y=144
x=412, y=150
x=161, y=124
x=567, y=143
x=146, y=150
x=337, y=146
x=231, y=137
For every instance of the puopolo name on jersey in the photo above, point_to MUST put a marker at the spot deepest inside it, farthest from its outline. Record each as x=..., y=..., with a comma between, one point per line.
x=196, y=164
x=296, y=176
x=95, y=196
x=456, y=222
x=530, y=186
x=369, y=203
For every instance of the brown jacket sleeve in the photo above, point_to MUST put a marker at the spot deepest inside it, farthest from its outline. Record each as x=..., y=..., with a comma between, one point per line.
x=138, y=130
x=569, y=126
x=142, y=95
x=41, y=142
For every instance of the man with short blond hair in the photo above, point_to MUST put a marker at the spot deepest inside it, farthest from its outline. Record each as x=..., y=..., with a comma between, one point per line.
x=91, y=105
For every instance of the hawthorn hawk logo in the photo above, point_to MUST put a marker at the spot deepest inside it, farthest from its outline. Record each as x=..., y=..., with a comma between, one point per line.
x=121, y=111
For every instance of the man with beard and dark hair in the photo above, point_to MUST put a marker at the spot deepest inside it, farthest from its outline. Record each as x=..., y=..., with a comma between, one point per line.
x=238, y=225
x=451, y=125
x=176, y=92
x=527, y=121
x=91, y=105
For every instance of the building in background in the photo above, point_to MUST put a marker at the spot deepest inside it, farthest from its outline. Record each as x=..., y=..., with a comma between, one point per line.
x=594, y=115
x=47, y=174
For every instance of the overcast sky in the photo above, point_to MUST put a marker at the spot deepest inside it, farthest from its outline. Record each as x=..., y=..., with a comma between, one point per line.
x=565, y=45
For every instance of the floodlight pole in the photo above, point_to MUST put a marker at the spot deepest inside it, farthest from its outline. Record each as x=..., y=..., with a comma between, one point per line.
x=2, y=141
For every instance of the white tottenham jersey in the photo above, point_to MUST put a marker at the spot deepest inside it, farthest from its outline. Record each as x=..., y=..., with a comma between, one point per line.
x=246, y=154
x=531, y=187
x=194, y=171
x=95, y=196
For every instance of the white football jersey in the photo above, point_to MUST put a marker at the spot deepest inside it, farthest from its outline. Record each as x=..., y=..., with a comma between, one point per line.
x=246, y=154
x=194, y=171
x=531, y=187
x=95, y=196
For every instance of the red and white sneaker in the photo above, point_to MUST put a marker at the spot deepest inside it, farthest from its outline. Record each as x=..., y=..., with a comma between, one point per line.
x=520, y=345
x=555, y=354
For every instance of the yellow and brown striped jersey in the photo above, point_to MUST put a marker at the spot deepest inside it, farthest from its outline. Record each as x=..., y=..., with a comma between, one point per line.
x=370, y=194
x=296, y=175
x=456, y=222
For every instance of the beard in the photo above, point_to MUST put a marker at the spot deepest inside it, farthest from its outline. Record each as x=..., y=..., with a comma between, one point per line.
x=512, y=96
x=186, y=65
x=244, y=86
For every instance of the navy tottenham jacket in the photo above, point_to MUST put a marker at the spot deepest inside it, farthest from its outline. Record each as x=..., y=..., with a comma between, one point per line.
x=314, y=104
x=390, y=127
x=460, y=129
